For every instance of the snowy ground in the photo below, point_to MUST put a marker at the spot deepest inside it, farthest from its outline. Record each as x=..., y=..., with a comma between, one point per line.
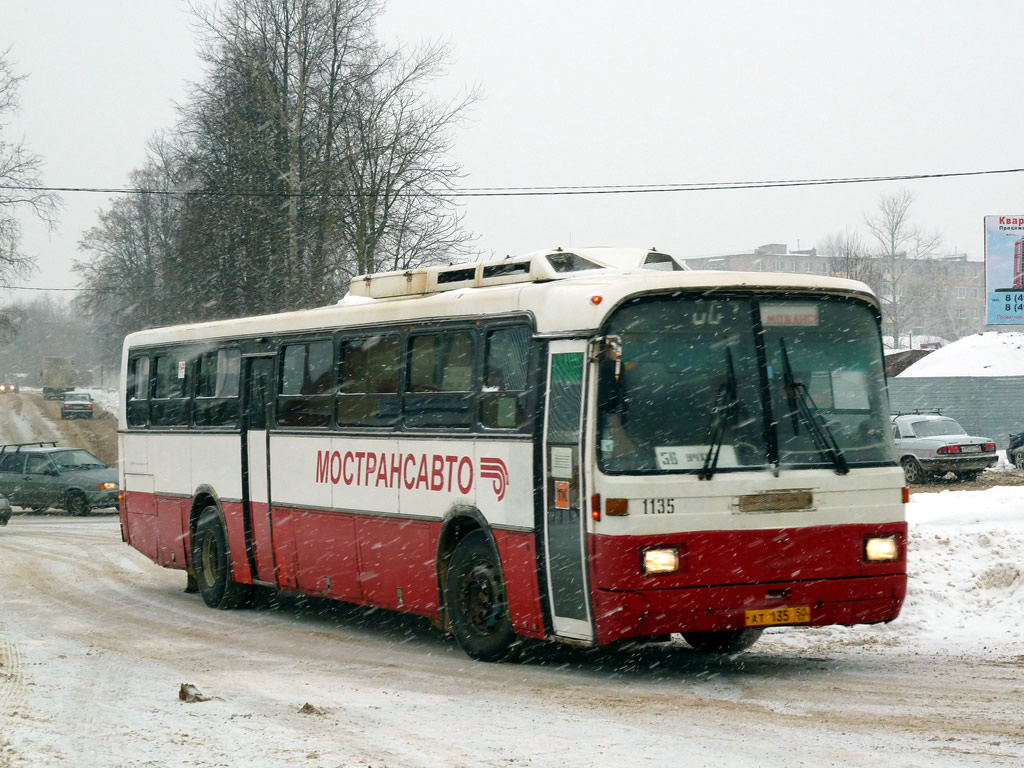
x=96, y=641
x=966, y=590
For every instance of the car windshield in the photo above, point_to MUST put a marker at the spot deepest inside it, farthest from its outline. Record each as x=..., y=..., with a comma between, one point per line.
x=937, y=427
x=794, y=383
x=75, y=459
x=79, y=396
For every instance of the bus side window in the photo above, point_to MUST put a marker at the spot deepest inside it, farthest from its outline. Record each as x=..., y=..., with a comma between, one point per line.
x=169, y=404
x=137, y=394
x=217, y=403
x=368, y=376
x=440, y=380
x=307, y=384
x=506, y=366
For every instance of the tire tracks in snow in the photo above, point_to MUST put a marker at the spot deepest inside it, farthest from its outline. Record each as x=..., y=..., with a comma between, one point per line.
x=22, y=422
x=12, y=693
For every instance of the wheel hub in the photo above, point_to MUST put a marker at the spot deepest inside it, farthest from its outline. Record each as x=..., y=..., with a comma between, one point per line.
x=480, y=599
x=210, y=558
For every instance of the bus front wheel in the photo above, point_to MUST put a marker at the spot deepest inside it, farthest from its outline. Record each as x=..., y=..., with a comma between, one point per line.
x=477, y=601
x=729, y=641
x=212, y=565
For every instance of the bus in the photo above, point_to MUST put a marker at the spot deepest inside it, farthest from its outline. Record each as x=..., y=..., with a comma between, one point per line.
x=587, y=446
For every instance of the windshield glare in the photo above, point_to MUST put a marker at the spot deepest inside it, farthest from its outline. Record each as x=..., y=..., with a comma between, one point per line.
x=694, y=372
x=76, y=459
x=937, y=427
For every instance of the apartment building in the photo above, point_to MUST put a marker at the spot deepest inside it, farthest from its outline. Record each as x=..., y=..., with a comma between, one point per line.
x=941, y=296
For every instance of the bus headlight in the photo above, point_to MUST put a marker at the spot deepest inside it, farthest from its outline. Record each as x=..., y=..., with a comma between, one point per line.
x=660, y=561
x=880, y=549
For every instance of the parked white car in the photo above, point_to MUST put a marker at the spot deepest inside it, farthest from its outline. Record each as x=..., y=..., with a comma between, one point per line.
x=930, y=445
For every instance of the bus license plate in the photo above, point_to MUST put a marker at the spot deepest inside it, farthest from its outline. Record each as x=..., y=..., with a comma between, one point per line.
x=794, y=614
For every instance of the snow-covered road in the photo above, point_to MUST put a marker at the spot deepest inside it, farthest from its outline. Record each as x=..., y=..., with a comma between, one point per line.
x=96, y=642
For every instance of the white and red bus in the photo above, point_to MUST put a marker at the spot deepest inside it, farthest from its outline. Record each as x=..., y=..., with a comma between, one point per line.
x=586, y=446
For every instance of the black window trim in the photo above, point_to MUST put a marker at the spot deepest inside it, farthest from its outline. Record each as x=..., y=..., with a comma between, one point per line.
x=283, y=342
x=274, y=345
x=362, y=334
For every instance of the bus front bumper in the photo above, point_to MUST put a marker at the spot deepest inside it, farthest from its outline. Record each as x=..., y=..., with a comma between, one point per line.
x=858, y=600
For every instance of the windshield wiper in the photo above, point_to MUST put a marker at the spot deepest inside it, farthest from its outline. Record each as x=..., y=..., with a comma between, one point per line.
x=723, y=412
x=802, y=408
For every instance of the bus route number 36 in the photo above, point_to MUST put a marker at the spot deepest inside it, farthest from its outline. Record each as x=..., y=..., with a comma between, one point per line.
x=659, y=506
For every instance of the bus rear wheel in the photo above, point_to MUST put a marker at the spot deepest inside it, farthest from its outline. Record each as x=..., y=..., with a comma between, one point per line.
x=728, y=641
x=212, y=564
x=477, y=601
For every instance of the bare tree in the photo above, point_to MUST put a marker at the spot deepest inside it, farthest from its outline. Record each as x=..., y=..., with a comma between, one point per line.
x=393, y=148
x=20, y=184
x=902, y=247
x=849, y=257
x=132, y=251
x=284, y=71
x=308, y=153
x=353, y=151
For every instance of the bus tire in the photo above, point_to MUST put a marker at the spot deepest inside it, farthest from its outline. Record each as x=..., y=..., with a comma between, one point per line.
x=727, y=641
x=212, y=564
x=477, y=601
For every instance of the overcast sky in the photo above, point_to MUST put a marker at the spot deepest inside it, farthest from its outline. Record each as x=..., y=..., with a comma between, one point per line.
x=596, y=93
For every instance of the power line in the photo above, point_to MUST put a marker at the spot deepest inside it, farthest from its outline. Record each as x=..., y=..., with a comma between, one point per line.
x=32, y=288
x=531, y=191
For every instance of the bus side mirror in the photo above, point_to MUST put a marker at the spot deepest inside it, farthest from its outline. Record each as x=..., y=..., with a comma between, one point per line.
x=608, y=353
x=607, y=350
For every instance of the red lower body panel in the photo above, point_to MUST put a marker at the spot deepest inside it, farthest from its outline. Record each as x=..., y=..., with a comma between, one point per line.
x=723, y=574
x=391, y=563
x=387, y=562
x=866, y=600
x=155, y=527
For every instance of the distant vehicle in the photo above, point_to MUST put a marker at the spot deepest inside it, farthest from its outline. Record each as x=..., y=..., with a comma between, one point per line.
x=8, y=388
x=930, y=445
x=76, y=405
x=39, y=476
x=5, y=510
x=1015, y=450
x=58, y=377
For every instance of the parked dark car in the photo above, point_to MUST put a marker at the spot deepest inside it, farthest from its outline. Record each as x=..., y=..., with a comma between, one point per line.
x=1015, y=450
x=76, y=405
x=39, y=476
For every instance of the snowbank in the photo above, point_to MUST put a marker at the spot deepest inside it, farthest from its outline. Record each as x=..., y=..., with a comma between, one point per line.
x=965, y=594
x=984, y=354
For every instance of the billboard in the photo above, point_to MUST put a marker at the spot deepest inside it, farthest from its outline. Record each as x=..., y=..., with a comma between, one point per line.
x=1004, y=269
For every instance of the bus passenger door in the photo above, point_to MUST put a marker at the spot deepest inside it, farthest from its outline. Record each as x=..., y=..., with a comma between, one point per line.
x=258, y=383
x=565, y=523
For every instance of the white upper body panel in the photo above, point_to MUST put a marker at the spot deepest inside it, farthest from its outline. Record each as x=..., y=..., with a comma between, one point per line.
x=559, y=305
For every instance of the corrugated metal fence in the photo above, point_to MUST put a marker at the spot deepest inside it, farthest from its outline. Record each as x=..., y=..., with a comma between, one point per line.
x=987, y=406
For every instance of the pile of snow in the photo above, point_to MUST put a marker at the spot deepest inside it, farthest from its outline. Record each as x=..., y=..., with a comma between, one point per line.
x=984, y=354
x=107, y=399
x=912, y=342
x=965, y=594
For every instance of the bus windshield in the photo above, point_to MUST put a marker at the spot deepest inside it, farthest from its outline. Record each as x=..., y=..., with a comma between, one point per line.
x=721, y=383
